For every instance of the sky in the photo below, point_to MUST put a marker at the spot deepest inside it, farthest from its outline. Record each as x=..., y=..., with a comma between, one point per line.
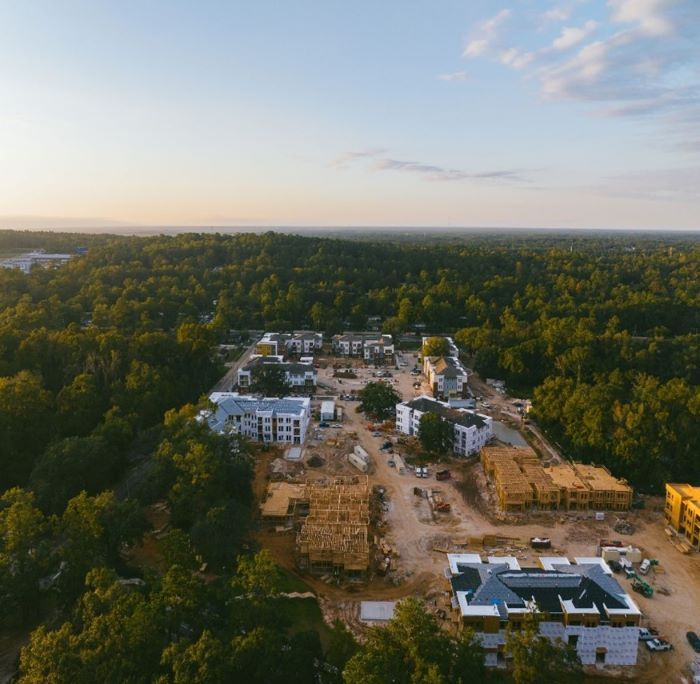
x=565, y=113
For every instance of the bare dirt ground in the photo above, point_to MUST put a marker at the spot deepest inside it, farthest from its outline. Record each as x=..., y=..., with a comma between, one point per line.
x=421, y=537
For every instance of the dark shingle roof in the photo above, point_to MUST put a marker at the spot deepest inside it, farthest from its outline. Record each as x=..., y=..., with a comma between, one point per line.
x=465, y=418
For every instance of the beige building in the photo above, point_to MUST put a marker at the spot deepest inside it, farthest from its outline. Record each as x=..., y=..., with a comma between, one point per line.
x=683, y=511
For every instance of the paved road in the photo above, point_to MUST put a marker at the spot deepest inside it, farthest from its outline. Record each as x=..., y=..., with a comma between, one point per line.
x=229, y=380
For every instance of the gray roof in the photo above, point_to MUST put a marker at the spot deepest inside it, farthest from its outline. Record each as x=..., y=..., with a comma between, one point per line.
x=466, y=418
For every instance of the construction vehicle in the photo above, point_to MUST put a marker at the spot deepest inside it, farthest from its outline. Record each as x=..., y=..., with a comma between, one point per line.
x=641, y=587
x=443, y=475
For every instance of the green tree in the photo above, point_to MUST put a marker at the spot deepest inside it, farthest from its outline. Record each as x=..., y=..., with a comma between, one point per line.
x=436, y=346
x=379, y=399
x=269, y=381
x=413, y=649
x=539, y=659
x=435, y=434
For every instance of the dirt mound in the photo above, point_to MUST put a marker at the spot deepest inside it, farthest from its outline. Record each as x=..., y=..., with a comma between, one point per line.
x=315, y=461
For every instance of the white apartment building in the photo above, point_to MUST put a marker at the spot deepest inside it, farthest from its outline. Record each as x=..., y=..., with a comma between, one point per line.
x=279, y=344
x=305, y=343
x=263, y=420
x=348, y=345
x=581, y=603
x=373, y=349
x=471, y=430
x=378, y=349
x=296, y=375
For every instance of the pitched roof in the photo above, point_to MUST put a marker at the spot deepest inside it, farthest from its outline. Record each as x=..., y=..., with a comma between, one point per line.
x=427, y=405
x=583, y=585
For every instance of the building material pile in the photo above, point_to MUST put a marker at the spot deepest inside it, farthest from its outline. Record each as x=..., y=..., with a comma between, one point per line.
x=522, y=483
x=334, y=535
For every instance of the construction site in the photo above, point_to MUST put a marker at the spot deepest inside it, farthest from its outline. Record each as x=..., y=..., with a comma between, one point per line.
x=523, y=483
x=331, y=519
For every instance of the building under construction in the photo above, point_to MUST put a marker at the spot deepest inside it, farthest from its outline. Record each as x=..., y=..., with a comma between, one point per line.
x=332, y=520
x=522, y=483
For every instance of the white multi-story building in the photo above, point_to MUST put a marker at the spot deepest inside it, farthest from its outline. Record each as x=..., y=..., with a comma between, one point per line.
x=471, y=430
x=305, y=343
x=348, y=345
x=263, y=420
x=296, y=375
x=278, y=344
x=378, y=349
x=375, y=349
x=446, y=374
x=581, y=603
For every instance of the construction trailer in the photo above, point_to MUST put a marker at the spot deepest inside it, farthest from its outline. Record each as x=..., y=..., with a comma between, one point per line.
x=333, y=538
x=362, y=453
x=400, y=465
x=523, y=483
x=358, y=462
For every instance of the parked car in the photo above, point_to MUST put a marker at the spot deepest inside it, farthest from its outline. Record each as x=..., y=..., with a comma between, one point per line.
x=658, y=645
x=694, y=641
x=391, y=463
x=644, y=567
x=323, y=424
x=646, y=634
x=387, y=445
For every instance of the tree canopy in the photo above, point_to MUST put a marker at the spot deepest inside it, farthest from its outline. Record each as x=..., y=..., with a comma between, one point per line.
x=379, y=399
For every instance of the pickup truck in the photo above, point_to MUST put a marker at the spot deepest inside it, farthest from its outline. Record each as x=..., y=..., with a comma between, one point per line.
x=658, y=645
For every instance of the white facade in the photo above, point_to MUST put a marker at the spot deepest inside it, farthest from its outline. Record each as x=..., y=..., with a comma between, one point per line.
x=369, y=348
x=263, y=420
x=471, y=430
x=296, y=375
x=305, y=343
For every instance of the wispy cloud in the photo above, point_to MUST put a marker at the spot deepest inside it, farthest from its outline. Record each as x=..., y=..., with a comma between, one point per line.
x=643, y=60
x=486, y=34
x=573, y=35
x=557, y=14
x=454, y=76
x=376, y=161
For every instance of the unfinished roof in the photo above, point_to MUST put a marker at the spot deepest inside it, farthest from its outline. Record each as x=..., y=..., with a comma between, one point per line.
x=335, y=532
x=599, y=478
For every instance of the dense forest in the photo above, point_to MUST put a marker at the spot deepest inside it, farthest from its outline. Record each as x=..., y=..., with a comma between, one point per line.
x=103, y=360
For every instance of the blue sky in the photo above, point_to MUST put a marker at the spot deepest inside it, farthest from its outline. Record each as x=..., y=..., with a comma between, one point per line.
x=581, y=113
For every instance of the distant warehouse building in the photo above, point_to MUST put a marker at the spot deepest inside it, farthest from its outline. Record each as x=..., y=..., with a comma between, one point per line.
x=471, y=430
x=263, y=420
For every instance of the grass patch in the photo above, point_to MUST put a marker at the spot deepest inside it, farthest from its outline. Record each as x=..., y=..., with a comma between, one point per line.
x=303, y=615
x=289, y=582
